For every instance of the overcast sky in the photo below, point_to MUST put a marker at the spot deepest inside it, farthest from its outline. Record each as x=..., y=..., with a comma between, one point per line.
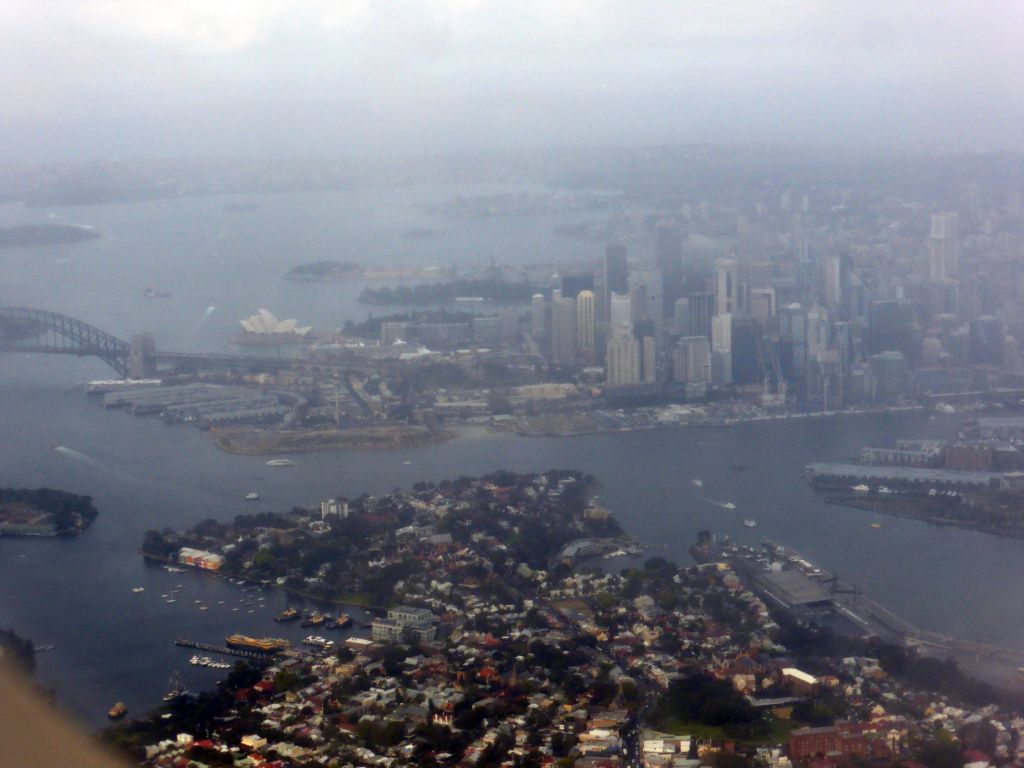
x=350, y=77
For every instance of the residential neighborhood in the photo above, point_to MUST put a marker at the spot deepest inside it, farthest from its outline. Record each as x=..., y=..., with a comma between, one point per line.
x=501, y=637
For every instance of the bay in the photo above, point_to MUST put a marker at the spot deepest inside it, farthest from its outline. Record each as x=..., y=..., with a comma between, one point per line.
x=113, y=644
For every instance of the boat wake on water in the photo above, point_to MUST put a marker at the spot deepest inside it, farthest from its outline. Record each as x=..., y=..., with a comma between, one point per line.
x=205, y=316
x=717, y=503
x=100, y=466
x=82, y=457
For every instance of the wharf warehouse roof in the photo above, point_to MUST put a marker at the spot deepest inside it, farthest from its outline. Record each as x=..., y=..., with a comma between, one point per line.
x=904, y=474
x=795, y=588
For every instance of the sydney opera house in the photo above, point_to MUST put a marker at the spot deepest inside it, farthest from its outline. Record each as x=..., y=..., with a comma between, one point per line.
x=265, y=328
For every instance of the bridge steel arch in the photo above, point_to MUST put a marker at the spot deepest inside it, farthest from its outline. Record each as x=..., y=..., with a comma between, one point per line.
x=23, y=329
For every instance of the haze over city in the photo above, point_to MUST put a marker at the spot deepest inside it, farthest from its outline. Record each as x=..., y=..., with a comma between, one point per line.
x=477, y=384
x=87, y=80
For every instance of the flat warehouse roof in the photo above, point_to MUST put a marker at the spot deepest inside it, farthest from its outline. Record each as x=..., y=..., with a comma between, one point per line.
x=796, y=588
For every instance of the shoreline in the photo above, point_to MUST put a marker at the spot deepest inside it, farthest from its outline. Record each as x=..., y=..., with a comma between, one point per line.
x=997, y=666
x=275, y=443
x=263, y=583
x=380, y=438
x=725, y=422
x=865, y=505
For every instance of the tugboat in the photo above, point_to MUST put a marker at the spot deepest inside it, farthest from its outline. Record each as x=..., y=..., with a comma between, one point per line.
x=315, y=619
x=342, y=621
x=288, y=614
x=117, y=711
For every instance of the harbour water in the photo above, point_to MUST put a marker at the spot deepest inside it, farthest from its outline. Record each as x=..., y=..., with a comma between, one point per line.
x=115, y=644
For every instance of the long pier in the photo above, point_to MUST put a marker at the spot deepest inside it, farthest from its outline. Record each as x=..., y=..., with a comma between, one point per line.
x=222, y=649
x=999, y=666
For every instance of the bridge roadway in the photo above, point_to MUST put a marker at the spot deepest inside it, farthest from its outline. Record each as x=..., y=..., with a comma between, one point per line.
x=23, y=329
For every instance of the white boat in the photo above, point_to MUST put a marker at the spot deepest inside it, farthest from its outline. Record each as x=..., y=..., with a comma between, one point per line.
x=698, y=482
x=750, y=523
x=883, y=489
x=138, y=589
x=175, y=687
x=861, y=488
x=407, y=462
x=728, y=505
x=251, y=496
x=280, y=463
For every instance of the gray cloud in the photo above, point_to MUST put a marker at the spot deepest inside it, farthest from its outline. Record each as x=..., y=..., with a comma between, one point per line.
x=108, y=78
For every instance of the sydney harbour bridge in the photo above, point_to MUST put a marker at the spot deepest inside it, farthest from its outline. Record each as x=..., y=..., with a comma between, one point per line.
x=23, y=329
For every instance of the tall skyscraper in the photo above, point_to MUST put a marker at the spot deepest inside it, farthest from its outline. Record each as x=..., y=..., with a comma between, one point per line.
x=668, y=255
x=563, y=331
x=721, y=368
x=648, y=360
x=889, y=324
x=1011, y=355
x=832, y=281
x=702, y=309
x=762, y=304
x=944, y=247
x=621, y=312
x=726, y=287
x=793, y=336
x=817, y=331
x=681, y=317
x=622, y=366
x=616, y=270
x=538, y=316
x=721, y=349
x=745, y=363
x=646, y=297
x=586, y=324
x=721, y=333
x=639, y=305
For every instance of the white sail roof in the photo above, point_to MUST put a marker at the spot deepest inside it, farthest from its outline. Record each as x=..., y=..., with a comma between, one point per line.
x=264, y=322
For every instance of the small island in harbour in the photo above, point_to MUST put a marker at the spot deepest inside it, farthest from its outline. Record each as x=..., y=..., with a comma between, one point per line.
x=44, y=512
x=44, y=234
